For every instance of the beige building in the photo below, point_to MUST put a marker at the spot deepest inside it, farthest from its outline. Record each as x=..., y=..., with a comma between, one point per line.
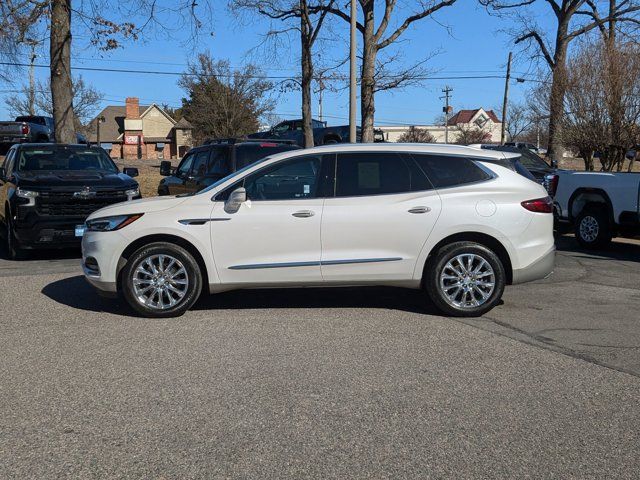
x=140, y=132
x=484, y=120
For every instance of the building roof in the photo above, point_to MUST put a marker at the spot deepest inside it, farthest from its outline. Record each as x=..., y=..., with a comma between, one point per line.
x=465, y=116
x=184, y=124
x=113, y=126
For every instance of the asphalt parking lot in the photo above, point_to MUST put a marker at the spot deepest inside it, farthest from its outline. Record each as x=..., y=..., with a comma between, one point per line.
x=333, y=383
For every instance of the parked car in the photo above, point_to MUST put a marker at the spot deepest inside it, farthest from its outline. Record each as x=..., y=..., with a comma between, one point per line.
x=216, y=159
x=543, y=172
x=30, y=129
x=322, y=134
x=437, y=217
x=598, y=206
x=48, y=190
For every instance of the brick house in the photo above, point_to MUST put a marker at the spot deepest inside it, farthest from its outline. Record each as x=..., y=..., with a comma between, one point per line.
x=136, y=132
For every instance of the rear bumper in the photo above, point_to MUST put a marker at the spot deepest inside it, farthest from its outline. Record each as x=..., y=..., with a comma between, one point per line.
x=541, y=268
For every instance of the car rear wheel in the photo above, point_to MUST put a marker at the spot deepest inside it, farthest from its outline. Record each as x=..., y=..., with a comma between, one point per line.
x=592, y=227
x=465, y=279
x=161, y=280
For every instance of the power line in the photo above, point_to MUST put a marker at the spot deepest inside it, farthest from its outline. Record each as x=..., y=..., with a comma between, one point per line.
x=234, y=74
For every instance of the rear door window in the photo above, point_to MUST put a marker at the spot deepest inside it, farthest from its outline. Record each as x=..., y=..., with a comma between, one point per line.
x=376, y=173
x=449, y=171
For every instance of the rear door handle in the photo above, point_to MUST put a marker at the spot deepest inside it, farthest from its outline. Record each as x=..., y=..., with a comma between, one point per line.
x=303, y=214
x=419, y=210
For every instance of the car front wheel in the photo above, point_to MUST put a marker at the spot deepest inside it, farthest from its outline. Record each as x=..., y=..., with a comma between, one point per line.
x=161, y=280
x=14, y=252
x=465, y=279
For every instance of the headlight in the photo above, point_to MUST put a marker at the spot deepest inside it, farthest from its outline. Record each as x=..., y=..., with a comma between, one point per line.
x=132, y=193
x=30, y=195
x=108, y=224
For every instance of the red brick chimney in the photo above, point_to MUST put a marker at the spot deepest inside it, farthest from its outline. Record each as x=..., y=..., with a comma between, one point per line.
x=132, y=107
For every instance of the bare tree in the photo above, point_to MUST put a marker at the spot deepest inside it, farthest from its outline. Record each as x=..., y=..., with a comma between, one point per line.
x=222, y=102
x=591, y=126
x=519, y=120
x=416, y=135
x=467, y=135
x=568, y=16
x=375, y=38
x=302, y=13
x=25, y=21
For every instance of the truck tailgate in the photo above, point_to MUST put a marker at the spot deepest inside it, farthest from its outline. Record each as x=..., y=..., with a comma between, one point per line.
x=10, y=130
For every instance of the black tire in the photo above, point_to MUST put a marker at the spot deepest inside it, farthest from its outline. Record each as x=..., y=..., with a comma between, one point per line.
x=592, y=227
x=193, y=276
x=12, y=245
x=438, y=265
x=330, y=141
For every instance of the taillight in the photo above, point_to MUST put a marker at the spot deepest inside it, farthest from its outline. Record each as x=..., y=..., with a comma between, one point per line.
x=551, y=184
x=539, y=205
x=25, y=129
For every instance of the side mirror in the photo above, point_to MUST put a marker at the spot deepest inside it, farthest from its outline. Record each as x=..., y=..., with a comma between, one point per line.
x=132, y=172
x=235, y=200
x=2, y=176
x=165, y=168
x=554, y=164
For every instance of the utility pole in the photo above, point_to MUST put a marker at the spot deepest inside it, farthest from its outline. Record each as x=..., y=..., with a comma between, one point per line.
x=320, y=89
x=447, y=94
x=352, y=74
x=503, y=133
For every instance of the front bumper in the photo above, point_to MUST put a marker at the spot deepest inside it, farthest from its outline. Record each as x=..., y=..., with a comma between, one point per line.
x=103, y=250
x=44, y=232
x=541, y=268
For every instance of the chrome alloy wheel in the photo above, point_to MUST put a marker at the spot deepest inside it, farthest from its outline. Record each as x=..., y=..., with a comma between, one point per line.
x=467, y=281
x=589, y=229
x=160, y=282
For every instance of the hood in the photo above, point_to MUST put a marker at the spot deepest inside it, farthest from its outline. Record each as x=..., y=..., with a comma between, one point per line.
x=44, y=180
x=144, y=205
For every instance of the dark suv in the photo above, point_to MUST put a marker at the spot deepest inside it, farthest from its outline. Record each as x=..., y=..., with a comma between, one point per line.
x=214, y=160
x=48, y=190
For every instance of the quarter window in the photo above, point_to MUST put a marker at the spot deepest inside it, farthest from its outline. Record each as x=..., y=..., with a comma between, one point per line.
x=445, y=171
x=292, y=180
x=361, y=174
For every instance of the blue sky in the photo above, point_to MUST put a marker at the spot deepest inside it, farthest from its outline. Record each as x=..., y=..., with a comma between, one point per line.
x=475, y=46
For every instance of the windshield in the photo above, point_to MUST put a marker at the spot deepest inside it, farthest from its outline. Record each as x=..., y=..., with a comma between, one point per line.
x=239, y=172
x=64, y=158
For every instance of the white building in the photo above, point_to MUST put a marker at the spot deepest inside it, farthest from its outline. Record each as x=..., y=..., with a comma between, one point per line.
x=479, y=119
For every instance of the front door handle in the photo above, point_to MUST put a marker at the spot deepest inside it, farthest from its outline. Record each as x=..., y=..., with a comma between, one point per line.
x=303, y=214
x=419, y=210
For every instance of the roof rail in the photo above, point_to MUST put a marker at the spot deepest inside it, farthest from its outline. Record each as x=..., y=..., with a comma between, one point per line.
x=234, y=140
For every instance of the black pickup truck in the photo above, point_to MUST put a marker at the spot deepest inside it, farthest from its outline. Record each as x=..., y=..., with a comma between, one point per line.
x=322, y=134
x=29, y=129
x=48, y=190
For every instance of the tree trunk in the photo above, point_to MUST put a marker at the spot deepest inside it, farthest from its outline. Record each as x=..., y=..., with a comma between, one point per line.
x=367, y=85
x=558, y=89
x=61, y=85
x=307, y=78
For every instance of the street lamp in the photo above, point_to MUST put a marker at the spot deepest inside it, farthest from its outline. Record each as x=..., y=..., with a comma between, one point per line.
x=99, y=120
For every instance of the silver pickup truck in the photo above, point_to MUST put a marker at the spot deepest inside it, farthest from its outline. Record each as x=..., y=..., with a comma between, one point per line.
x=26, y=129
x=598, y=205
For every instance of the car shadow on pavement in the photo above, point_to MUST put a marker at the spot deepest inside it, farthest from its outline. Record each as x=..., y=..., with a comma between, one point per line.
x=49, y=254
x=627, y=250
x=75, y=292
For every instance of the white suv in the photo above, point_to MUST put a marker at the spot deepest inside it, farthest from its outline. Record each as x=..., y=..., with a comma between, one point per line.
x=455, y=221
